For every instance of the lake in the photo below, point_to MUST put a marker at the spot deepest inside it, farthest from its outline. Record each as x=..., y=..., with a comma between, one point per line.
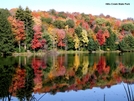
x=68, y=77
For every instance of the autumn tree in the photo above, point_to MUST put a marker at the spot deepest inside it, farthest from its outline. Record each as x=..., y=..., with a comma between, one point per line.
x=77, y=37
x=101, y=36
x=100, y=21
x=37, y=41
x=61, y=36
x=117, y=24
x=17, y=30
x=76, y=42
x=85, y=25
x=26, y=17
x=84, y=39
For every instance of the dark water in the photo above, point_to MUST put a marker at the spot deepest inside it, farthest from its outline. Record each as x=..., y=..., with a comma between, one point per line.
x=68, y=77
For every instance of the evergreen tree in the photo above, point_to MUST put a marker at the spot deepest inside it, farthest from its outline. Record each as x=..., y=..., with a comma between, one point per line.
x=59, y=24
x=49, y=42
x=110, y=42
x=78, y=31
x=93, y=45
x=70, y=43
x=130, y=42
x=6, y=36
x=70, y=23
x=127, y=44
x=5, y=12
x=123, y=46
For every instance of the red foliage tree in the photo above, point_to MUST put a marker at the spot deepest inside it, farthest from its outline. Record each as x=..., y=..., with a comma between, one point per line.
x=101, y=36
x=70, y=31
x=120, y=37
x=122, y=32
x=85, y=25
x=61, y=35
x=78, y=22
x=71, y=16
x=35, y=14
x=117, y=24
x=37, y=41
x=106, y=34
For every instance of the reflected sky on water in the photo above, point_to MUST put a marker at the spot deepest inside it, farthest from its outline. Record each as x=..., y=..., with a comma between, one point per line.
x=115, y=93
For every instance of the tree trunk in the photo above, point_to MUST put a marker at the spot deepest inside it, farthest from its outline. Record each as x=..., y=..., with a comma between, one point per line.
x=25, y=47
x=19, y=46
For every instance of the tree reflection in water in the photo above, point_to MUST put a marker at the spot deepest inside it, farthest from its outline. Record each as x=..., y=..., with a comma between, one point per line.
x=23, y=77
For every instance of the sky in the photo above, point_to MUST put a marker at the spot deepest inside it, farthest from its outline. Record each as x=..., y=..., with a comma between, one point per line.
x=94, y=7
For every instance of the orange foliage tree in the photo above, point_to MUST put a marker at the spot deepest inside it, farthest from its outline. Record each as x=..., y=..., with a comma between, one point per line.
x=18, y=30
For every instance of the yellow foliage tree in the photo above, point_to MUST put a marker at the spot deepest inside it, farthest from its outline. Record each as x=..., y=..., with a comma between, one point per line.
x=84, y=37
x=37, y=21
x=76, y=42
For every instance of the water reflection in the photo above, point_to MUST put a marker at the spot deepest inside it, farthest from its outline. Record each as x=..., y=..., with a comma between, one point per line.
x=20, y=77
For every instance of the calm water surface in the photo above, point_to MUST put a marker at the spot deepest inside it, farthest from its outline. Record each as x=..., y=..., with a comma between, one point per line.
x=68, y=77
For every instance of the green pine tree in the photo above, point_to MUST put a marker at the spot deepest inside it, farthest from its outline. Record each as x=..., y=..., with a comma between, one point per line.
x=110, y=42
x=6, y=36
x=93, y=45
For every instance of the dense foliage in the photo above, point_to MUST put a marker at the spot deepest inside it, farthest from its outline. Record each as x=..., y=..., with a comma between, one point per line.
x=60, y=30
x=6, y=36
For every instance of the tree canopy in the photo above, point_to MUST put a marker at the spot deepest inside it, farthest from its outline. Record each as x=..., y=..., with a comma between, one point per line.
x=66, y=31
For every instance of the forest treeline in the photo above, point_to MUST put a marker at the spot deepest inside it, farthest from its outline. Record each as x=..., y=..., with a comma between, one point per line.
x=23, y=30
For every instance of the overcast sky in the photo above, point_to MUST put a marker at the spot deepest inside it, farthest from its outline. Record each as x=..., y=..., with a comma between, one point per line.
x=94, y=7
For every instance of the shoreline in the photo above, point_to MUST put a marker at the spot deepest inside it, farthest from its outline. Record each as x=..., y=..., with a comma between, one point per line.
x=59, y=52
